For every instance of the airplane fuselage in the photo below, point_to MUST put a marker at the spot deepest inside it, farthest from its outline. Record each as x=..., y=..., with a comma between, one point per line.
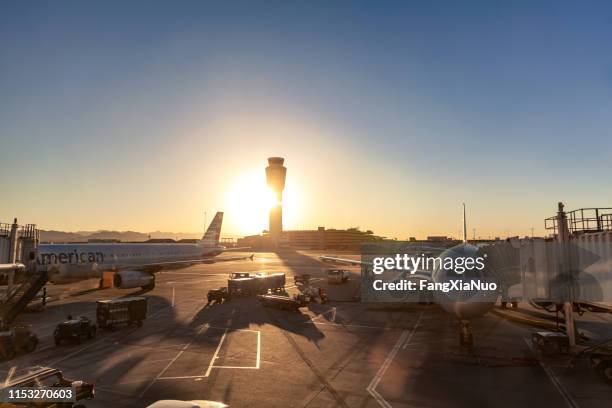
x=73, y=262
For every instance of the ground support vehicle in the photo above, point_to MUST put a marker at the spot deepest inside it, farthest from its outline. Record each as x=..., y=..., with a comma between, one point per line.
x=280, y=302
x=551, y=342
x=38, y=377
x=250, y=285
x=75, y=330
x=217, y=295
x=115, y=312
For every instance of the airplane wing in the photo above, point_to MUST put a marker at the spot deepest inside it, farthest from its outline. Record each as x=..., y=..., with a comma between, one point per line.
x=342, y=261
x=419, y=273
x=207, y=260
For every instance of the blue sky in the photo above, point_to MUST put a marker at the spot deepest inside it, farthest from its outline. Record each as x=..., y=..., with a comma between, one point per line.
x=142, y=115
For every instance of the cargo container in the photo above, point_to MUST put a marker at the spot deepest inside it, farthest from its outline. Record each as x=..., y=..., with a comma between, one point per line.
x=114, y=312
x=249, y=285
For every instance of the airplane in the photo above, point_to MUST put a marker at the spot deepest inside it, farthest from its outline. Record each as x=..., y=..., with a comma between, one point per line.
x=134, y=264
x=464, y=308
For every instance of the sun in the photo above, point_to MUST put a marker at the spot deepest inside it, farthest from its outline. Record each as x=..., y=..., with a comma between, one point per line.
x=248, y=203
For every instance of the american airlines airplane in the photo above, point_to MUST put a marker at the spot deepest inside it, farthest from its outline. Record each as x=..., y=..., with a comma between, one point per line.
x=476, y=305
x=134, y=264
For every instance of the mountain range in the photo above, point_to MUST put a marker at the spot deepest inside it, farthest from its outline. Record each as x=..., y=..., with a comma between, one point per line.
x=125, y=236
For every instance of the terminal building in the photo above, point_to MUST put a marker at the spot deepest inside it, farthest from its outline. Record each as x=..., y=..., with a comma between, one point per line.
x=319, y=238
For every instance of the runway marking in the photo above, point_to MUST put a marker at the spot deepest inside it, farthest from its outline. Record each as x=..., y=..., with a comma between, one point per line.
x=257, y=357
x=215, y=357
x=412, y=332
x=212, y=360
x=180, y=353
x=371, y=388
x=258, y=347
x=182, y=377
x=332, y=310
x=569, y=401
x=9, y=376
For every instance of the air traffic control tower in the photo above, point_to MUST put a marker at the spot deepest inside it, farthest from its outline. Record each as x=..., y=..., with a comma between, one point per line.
x=275, y=176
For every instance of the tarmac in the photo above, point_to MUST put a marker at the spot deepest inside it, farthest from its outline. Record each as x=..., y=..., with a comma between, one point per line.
x=340, y=354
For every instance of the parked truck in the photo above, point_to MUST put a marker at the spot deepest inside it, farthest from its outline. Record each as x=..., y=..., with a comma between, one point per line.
x=115, y=312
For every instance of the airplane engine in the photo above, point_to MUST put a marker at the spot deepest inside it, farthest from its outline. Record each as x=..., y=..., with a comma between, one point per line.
x=133, y=279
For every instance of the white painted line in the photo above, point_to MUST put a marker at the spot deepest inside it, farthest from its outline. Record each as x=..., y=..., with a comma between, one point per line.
x=569, y=401
x=404, y=337
x=182, y=377
x=237, y=367
x=228, y=327
x=10, y=375
x=212, y=361
x=412, y=332
x=371, y=388
x=258, y=347
x=173, y=360
x=332, y=310
x=215, y=357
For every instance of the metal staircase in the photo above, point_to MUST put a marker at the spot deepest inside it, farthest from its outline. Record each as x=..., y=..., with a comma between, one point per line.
x=18, y=247
x=22, y=296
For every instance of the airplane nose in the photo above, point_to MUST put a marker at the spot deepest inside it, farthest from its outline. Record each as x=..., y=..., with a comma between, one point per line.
x=465, y=304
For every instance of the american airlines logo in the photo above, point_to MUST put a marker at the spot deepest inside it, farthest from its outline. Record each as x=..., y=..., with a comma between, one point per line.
x=70, y=258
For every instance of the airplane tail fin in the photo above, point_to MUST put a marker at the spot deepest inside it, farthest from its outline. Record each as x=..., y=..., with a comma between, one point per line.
x=211, y=236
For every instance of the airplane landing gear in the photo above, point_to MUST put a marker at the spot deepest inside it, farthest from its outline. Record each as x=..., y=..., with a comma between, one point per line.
x=465, y=335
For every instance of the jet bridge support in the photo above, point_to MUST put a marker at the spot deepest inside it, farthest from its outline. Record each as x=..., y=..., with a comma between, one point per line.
x=18, y=246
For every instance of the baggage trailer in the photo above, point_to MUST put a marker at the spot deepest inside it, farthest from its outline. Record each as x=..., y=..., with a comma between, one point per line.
x=243, y=284
x=280, y=302
x=115, y=312
x=274, y=283
x=240, y=287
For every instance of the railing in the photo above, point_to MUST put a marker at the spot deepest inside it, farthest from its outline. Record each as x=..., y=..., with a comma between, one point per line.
x=21, y=297
x=583, y=220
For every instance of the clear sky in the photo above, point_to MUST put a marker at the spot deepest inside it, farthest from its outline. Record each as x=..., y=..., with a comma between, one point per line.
x=144, y=115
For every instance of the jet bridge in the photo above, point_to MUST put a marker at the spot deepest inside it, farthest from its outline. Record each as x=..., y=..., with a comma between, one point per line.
x=18, y=272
